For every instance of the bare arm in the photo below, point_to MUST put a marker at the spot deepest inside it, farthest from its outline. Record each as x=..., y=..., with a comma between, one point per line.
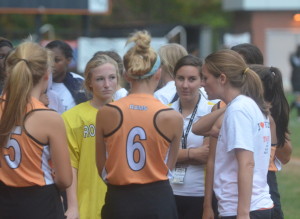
x=197, y=155
x=245, y=180
x=100, y=145
x=284, y=153
x=59, y=151
x=205, y=123
x=170, y=123
x=209, y=180
x=73, y=210
x=208, y=212
x=176, y=125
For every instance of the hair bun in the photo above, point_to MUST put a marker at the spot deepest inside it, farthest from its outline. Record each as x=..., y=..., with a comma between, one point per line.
x=142, y=41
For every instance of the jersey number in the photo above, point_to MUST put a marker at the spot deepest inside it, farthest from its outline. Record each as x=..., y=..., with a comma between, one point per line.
x=14, y=144
x=135, y=146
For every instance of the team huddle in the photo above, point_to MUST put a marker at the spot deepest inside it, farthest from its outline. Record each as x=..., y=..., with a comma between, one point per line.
x=186, y=139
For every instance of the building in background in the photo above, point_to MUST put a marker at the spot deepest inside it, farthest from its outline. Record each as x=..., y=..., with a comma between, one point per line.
x=272, y=25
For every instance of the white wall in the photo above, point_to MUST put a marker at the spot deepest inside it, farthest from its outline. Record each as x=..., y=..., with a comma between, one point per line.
x=88, y=46
x=280, y=43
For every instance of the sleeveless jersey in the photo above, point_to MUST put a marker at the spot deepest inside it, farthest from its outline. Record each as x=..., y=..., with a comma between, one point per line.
x=25, y=161
x=136, y=151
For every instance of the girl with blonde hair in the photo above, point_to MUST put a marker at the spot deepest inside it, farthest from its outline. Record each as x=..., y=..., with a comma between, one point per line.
x=34, y=157
x=169, y=55
x=86, y=195
x=137, y=141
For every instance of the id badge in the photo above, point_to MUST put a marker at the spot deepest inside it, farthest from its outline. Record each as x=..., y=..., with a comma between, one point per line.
x=179, y=174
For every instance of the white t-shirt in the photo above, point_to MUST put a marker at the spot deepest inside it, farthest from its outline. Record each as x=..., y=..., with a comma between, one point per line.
x=166, y=93
x=244, y=126
x=55, y=101
x=122, y=92
x=65, y=95
x=194, y=179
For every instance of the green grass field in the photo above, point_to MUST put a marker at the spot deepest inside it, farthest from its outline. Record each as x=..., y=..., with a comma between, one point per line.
x=289, y=177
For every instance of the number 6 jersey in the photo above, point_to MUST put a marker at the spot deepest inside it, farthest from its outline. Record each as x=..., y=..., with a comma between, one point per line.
x=137, y=152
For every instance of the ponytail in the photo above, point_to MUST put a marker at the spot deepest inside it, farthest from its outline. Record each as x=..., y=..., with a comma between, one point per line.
x=252, y=87
x=274, y=94
x=25, y=67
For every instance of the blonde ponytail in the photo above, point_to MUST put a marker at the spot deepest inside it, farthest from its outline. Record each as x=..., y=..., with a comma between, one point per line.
x=26, y=65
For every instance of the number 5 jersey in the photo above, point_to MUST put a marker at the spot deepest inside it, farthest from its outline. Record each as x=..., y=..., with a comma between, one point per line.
x=25, y=161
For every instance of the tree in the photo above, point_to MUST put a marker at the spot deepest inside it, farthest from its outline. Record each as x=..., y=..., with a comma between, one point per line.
x=124, y=12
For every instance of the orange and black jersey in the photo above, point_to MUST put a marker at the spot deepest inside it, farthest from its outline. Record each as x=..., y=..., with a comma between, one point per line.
x=137, y=152
x=25, y=161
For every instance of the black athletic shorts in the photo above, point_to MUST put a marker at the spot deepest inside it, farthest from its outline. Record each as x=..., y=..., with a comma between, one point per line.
x=140, y=201
x=35, y=202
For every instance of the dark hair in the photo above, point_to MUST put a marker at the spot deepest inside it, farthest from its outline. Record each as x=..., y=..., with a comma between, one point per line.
x=274, y=94
x=115, y=56
x=5, y=42
x=63, y=46
x=188, y=60
x=250, y=53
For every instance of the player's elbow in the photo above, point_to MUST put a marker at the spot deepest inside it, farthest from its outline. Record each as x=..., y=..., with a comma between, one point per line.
x=64, y=182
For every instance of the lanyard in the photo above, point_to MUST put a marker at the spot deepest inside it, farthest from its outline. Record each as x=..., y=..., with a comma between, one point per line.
x=188, y=128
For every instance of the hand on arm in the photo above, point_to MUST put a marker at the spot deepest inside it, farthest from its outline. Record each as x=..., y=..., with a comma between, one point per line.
x=199, y=155
x=205, y=123
x=196, y=156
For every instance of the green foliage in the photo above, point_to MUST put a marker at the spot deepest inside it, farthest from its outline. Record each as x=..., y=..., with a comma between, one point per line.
x=192, y=12
x=12, y=24
x=124, y=13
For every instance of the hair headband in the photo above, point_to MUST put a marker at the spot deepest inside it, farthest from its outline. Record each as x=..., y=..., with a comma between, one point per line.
x=154, y=69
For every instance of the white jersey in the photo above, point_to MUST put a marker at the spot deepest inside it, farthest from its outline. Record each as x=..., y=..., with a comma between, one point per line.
x=166, y=93
x=65, y=95
x=55, y=101
x=244, y=126
x=194, y=179
x=122, y=92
